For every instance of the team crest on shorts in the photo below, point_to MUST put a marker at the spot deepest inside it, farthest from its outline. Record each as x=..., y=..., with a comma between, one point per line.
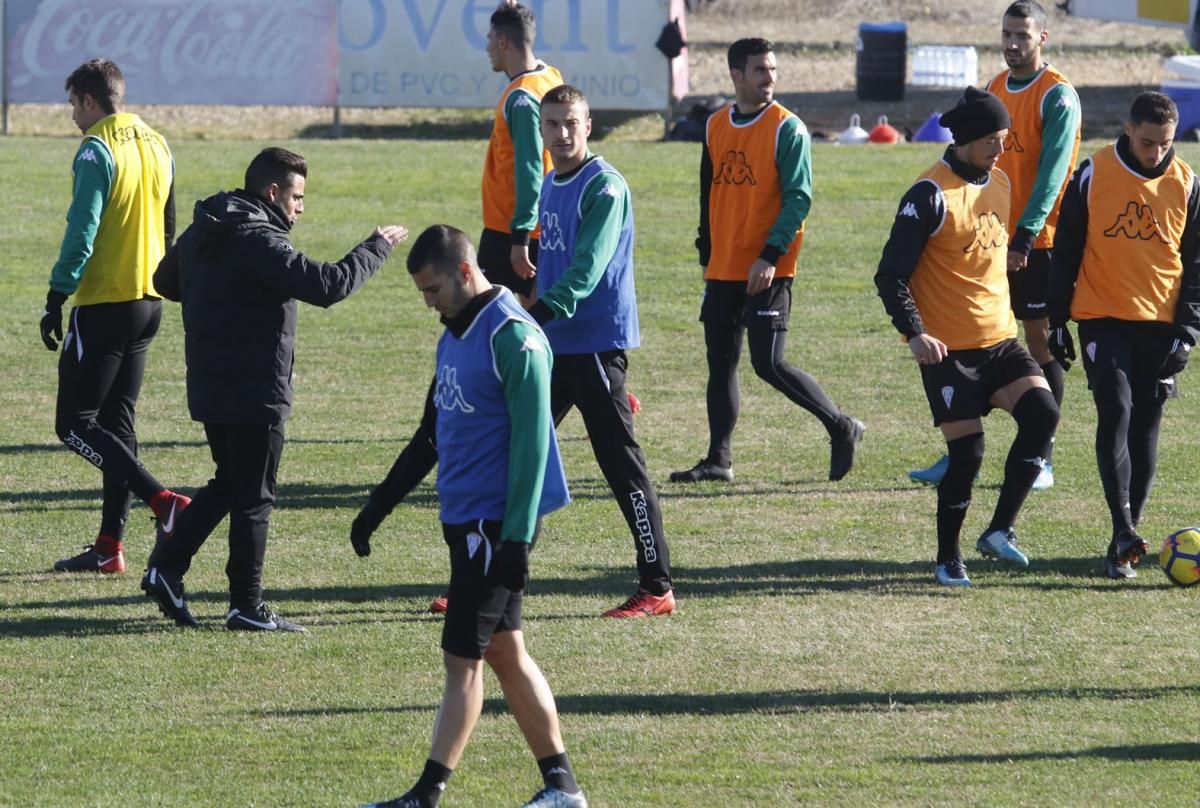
x=947, y=395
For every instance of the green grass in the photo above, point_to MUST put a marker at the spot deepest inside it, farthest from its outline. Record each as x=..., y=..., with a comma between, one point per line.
x=812, y=660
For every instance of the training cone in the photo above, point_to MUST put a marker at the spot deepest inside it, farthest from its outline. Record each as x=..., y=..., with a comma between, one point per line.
x=932, y=132
x=883, y=132
x=854, y=133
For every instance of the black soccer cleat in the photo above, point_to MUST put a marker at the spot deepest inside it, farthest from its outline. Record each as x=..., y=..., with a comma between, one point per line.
x=258, y=618
x=843, y=448
x=704, y=470
x=1128, y=546
x=167, y=592
x=92, y=561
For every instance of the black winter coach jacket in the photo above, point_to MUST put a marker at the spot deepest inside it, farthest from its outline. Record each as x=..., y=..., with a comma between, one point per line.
x=239, y=277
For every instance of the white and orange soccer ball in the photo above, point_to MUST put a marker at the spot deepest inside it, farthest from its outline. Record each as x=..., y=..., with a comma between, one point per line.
x=1180, y=557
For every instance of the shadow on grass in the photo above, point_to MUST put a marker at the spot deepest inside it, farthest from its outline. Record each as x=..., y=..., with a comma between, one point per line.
x=799, y=701
x=1141, y=752
x=30, y=448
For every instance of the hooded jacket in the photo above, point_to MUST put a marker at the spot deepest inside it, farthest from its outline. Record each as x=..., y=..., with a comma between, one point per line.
x=239, y=277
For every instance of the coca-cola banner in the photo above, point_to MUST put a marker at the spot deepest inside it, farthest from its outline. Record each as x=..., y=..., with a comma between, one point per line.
x=178, y=51
x=431, y=53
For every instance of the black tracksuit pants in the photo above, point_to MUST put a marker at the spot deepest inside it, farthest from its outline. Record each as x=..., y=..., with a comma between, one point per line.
x=243, y=487
x=595, y=383
x=99, y=379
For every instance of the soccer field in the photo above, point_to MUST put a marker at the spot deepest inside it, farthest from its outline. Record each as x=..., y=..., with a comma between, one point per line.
x=812, y=661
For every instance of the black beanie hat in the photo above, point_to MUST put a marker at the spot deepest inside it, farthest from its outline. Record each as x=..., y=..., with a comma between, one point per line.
x=977, y=113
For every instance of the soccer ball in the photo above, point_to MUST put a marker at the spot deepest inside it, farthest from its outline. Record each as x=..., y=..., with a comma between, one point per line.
x=1180, y=557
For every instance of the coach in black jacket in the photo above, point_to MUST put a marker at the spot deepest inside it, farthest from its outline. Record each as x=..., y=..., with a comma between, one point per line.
x=239, y=277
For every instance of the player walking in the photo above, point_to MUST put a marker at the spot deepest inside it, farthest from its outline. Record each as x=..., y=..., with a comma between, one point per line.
x=755, y=194
x=1126, y=269
x=942, y=281
x=239, y=277
x=587, y=306
x=1039, y=156
x=498, y=472
x=121, y=221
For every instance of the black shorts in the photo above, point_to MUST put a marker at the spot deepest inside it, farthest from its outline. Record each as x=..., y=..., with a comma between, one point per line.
x=495, y=259
x=476, y=610
x=960, y=386
x=1136, y=349
x=726, y=303
x=1027, y=288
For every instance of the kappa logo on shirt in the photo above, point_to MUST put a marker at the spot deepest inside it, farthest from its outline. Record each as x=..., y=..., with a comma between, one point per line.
x=734, y=170
x=990, y=233
x=910, y=210
x=88, y=156
x=1136, y=222
x=609, y=190
x=1012, y=142
x=532, y=343
x=552, y=238
x=524, y=100
x=1065, y=102
x=449, y=395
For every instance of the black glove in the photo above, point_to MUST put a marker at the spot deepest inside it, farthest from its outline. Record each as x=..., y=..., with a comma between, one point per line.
x=1177, y=359
x=1062, y=346
x=510, y=567
x=51, y=324
x=368, y=519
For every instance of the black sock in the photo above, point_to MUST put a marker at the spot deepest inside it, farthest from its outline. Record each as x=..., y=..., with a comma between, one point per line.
x=432, y=783
x=1055, y=377
x=954, y=493
x=556, y=773
x=1036, y=415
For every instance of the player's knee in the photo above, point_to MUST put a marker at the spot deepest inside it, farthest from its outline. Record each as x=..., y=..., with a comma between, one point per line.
x=1036, y=412
x=768, y=368
x=965, y=459
x=64, y=427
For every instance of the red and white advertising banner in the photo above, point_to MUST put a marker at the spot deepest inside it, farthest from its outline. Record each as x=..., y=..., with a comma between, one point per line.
x=177, y=51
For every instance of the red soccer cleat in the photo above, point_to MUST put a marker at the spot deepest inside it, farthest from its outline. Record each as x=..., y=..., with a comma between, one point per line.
x=440, y=604
x=635, y=406
x=643, y=604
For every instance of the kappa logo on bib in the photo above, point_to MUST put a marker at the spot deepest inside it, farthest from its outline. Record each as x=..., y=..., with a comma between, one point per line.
x=735, y=170
x=449, y=395
x=1136, y=222
x=990, y=233
x=552, y=239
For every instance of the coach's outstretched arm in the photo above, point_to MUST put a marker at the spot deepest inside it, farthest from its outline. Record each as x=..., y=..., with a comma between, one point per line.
x=412, y=466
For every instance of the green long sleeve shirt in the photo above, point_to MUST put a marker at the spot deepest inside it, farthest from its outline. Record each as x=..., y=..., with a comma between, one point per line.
x=524, y=362
x=524, y=115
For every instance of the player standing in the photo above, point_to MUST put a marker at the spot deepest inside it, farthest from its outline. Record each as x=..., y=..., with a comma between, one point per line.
x=1039, y=156
x=516, y=160
x=943, y=281
x=498, y=471
x=121, y=221
x=755, y=194
x=587, y=305
x=1126, y=269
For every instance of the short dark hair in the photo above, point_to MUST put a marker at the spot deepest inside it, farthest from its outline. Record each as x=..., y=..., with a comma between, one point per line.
x=741, y=51
x=442, y=246
x=565, y=94
x=1028, y=10
x=1153, y=107
x=274, y=165
x=516, y=23
x=102, y=80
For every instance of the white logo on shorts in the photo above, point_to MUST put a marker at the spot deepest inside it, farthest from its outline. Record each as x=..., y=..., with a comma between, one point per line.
x=947, y=395
x=473, y=542
x=1091, y=352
